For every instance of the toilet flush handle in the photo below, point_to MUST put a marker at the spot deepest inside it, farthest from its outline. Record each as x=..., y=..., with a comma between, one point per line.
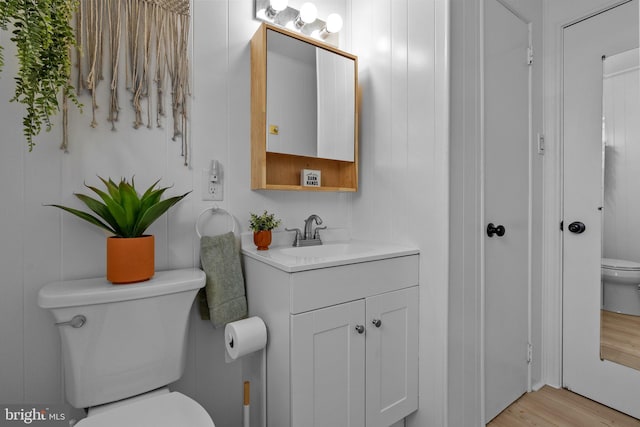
x=76, y=321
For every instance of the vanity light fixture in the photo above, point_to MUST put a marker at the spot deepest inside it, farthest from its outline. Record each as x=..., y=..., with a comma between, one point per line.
x=334, y=23
x=308, y=14
x=305, y=20
x=275, y=7
x=333, y=26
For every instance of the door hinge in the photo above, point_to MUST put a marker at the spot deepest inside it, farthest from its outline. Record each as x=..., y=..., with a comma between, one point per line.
x=529, y=55
x=529, y=352
x=540, y=147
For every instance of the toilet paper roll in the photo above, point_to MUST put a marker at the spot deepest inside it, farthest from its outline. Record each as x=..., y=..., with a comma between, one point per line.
x=245, y=336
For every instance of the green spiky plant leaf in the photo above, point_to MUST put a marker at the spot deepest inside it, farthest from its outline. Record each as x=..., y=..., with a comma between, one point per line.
x=121, y=210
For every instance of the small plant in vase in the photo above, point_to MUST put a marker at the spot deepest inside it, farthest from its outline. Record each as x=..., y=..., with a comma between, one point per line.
x=127, y=215
x=262, y=226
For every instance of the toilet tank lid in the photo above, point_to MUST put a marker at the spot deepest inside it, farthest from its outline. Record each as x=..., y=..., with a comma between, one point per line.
x=167, y=410
x=620, y=264
x=98, y=290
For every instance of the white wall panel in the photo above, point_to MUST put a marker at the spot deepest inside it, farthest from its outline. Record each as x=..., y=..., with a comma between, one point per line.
x=404, y=172
x=12, y=226
x=465, y=366
x=399, y=119
x=41, y=263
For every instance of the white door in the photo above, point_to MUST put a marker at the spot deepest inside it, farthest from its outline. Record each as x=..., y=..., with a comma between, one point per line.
x=585, y=44
x=328, y=367
x=506, y=200
x=392, y=356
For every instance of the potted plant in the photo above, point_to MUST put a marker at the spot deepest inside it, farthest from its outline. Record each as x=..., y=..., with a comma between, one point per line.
x=262, y=226
x=125, y=214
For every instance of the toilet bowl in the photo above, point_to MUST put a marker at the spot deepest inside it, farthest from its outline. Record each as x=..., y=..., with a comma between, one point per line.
x=620, y=286
x=123, y=344
x=160, y=408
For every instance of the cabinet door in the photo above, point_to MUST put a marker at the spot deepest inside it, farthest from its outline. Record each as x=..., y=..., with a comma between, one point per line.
x=392, y=356
x=327, y=367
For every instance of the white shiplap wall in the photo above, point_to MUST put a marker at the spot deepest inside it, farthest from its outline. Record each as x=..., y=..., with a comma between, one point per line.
x=404, y=161
x=403, y=180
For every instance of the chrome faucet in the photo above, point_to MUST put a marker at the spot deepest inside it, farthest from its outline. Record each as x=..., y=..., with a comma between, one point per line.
x=308, y=226
x=310, y=236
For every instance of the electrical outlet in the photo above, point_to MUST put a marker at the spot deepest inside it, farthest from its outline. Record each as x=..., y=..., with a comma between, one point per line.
x=215, y=190
x=210, y=190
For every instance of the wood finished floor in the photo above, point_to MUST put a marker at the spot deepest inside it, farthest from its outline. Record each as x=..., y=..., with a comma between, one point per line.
x=551, y=407
x=620, y=338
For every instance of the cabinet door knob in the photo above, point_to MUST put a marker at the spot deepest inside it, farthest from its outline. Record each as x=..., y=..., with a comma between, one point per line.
x=377, y=322
x=360, y=329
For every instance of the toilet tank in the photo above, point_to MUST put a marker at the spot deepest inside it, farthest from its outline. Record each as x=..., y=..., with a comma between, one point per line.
x=134, y=337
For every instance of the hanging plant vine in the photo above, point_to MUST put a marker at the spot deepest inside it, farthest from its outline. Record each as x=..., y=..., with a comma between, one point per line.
x=42, y=33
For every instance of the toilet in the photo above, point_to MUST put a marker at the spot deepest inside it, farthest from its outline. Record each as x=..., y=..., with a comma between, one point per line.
x=123, y=344
x=620, y=286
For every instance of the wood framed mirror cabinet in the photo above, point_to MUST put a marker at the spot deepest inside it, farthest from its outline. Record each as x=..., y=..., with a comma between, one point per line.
x=304, y=112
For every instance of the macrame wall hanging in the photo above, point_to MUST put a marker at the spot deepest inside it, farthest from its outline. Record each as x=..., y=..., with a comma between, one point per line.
x=147, y=40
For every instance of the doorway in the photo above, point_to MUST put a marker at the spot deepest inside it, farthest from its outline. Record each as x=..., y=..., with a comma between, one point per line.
x=586, y=45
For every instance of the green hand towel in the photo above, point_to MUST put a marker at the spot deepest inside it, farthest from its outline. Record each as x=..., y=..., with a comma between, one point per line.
x=224, y=289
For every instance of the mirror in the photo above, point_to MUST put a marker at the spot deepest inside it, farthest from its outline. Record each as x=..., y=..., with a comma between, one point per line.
x=311, y=99
x=620, y=314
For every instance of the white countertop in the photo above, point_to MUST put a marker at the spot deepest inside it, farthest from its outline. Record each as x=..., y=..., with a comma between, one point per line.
x=330, y=254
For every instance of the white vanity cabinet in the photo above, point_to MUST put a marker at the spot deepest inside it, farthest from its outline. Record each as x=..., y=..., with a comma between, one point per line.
x=328, y=366
x=343, y=377
x=342, y=341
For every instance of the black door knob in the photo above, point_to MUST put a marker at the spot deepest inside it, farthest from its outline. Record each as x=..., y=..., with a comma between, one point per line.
x=577, y=227
x=495, y=229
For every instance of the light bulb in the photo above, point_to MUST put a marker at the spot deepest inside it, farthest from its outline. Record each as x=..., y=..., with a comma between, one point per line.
x=334, y=23
x=308, y=13
x=279, y=5
x=275, y=7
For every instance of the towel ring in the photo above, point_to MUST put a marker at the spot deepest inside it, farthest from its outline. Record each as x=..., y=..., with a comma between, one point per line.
x=214, y=210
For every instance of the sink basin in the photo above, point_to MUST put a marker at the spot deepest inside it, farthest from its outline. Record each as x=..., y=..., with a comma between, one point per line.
x=328, y=250
x=292, y=259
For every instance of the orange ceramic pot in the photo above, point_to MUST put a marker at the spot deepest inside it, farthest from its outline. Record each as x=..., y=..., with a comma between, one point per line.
x=130, y=260
x=262, y=239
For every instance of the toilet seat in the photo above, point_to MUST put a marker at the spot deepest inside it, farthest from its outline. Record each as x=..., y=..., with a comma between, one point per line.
x=620, y=264
x=164, y=410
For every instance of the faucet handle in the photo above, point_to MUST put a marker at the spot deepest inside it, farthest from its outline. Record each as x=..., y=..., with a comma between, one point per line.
x=298, y=236
x=316, y=234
